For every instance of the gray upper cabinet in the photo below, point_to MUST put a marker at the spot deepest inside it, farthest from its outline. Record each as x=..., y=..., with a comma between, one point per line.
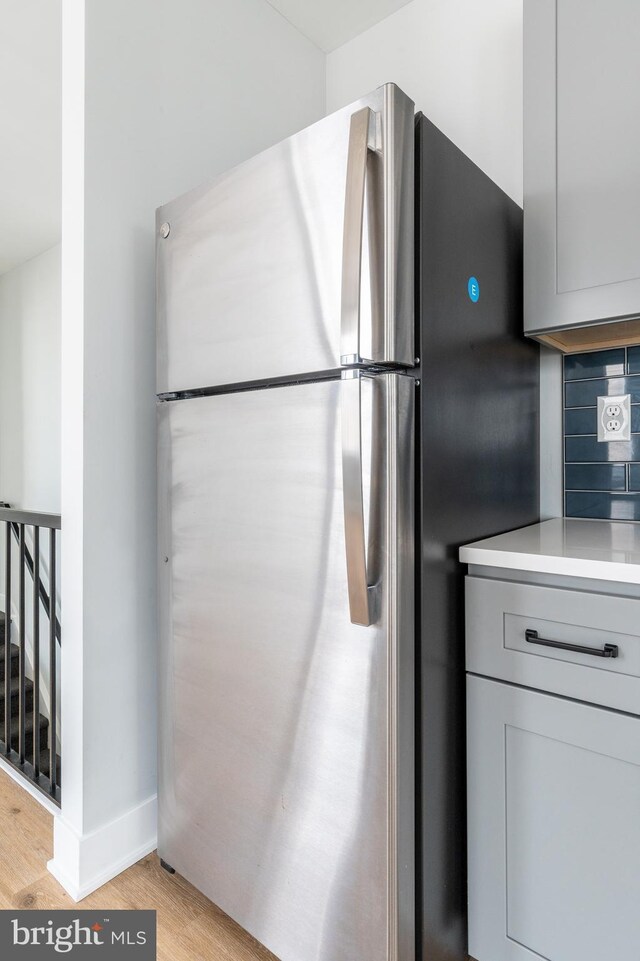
x=582, y=171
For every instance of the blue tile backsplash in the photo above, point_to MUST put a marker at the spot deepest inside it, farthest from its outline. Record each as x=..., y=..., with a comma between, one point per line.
x=587, y=449
x=601, y=480
x=584, y=393
x=596, y=477
x=583, y=420
x=599, y=363
x=634, y=477
x=633, y=360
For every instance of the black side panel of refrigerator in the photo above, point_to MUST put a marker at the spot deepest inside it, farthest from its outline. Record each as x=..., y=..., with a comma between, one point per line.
x=478, y=473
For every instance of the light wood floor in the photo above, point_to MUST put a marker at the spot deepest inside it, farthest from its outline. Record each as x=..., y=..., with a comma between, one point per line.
x=190, y=927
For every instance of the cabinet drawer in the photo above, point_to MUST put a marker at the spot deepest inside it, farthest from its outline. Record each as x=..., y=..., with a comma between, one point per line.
x=499, y=615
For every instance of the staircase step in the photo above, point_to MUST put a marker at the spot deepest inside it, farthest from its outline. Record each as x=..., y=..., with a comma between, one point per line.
x=15, y=696
x=44, y=765
x=43, y=726
x=28, y=728
x=15, y=660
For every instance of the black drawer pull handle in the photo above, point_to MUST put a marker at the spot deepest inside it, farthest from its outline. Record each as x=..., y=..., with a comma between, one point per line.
x=609, y=650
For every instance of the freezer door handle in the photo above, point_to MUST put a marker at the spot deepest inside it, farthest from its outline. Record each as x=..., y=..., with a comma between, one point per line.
x=361, y=595
x=362, y=136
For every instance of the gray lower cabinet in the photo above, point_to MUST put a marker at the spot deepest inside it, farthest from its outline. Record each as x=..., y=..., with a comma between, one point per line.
x=555, y=639
x=554, y=827
x=581, y=163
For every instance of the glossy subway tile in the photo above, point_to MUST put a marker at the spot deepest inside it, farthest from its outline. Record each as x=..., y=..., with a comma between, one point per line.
x=597, y=363
x=633, y=360
x=634, y=477
x=587, y=449
x=585, y=393
x=596, y=477
x=583, y=420
x=619, y=507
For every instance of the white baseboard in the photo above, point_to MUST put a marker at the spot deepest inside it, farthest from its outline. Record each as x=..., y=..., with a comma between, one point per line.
x=81, y=864
x=27, y=786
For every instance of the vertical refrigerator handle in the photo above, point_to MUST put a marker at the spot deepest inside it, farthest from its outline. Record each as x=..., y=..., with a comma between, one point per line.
x=360, y=593
x=361, y=140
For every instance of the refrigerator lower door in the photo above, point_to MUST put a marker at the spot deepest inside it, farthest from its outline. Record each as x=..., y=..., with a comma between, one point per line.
x=287, y=730
x=296, y=259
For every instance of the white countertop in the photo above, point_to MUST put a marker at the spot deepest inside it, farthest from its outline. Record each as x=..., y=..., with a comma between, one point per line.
x=604, y=550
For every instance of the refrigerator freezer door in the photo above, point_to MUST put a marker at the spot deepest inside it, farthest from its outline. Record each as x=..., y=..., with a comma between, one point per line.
x=286, y=768
x=296, y=258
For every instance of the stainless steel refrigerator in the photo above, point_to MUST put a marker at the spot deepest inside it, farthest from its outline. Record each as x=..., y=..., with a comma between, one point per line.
x=292, y=535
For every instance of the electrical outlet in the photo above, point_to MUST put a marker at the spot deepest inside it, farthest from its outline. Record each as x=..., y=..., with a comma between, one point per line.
x=614, y=418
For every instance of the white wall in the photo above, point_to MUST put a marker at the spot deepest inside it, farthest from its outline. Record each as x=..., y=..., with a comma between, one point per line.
x=29, y=129
x=461, y=61
x=157, y=96
x=30, y=325
x=30, y=384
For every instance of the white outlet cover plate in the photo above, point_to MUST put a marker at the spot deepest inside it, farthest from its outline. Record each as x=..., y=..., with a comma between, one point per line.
x=605, y=416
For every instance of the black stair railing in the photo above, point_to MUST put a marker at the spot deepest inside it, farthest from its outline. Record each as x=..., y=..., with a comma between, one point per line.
x=35, y=573
x=28, y=738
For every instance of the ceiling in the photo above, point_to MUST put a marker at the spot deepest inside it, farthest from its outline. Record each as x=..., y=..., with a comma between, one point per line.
x=330, y=23
x=30, y=129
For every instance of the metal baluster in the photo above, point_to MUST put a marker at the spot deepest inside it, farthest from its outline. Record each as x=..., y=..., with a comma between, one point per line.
x=30, y=567
x=23, y=651
x=7, y=643
x=52, y=658
x=36, y=650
